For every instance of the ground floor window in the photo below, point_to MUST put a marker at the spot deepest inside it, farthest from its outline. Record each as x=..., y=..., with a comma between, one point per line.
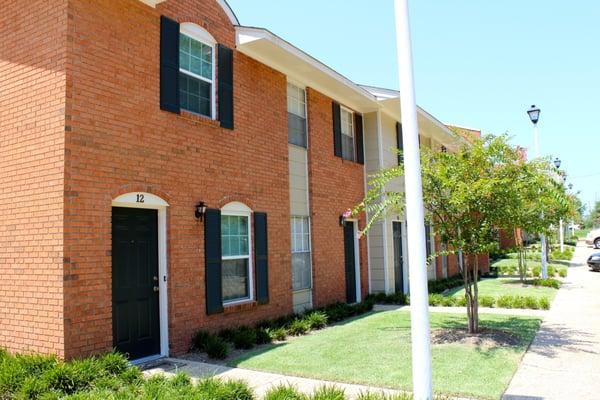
x=236, y=260
x=301, y=264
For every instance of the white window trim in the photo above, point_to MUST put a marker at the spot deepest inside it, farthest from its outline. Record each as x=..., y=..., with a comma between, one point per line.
x=238, y=209
x=303, y=88
x=353, y=130
x=309, y=251
x=201, y=35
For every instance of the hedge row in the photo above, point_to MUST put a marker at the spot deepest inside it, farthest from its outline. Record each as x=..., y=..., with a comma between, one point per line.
x=218, y=345
x=112, y=377
x=504, y=301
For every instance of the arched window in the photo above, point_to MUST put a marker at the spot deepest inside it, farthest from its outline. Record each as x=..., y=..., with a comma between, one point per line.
x=197, y=70
x=236, y=249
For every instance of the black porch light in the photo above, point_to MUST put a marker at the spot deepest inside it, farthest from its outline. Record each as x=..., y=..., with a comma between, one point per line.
x=557, y=162
x=200, y=210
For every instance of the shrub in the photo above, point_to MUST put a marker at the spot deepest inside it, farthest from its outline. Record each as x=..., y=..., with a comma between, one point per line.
x=278, y=334
x=244, y=338
x=227, y=334
x=551, y=271
x=486, y=301
x=215, y=389
x=504, y=301
x=216, y=348
x=544, y=303
x=383, y=396
x=263, y=336
x=337, y=312
x=329, y=393
x=563, y=272
x=436, y=299
x=298, y=327
x=283, y=392
x=531, y=302
x=461, y=301
x=550, y=282
x=199, y=340
x=316, y=320
x=448, y=301
x=536, y=271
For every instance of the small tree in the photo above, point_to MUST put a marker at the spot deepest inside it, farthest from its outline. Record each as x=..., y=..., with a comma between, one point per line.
x=467, y=194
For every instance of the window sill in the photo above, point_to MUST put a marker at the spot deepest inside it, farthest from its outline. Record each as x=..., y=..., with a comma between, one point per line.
x=239, y=307
x=199, y=119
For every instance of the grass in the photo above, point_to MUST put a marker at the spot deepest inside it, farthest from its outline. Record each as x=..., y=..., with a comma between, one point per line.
x=508, y=286
x=510, y=264
x=375, y=350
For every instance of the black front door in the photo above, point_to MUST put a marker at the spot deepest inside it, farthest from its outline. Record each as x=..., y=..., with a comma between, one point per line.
x=136, y=326
x=350, y=262
x=398, y=257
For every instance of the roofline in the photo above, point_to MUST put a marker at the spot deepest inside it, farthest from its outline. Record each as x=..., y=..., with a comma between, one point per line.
x=284, y=44
x=223, y=3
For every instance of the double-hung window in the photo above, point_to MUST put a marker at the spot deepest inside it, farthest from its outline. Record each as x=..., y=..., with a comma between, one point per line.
x=296, y=105
x=347, y=124
x=236, y=255
x=196, y=70
x=301, y=265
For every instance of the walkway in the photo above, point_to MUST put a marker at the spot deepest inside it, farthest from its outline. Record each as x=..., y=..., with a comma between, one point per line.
x=563, y=361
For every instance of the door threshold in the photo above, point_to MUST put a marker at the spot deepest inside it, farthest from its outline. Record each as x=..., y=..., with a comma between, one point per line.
x=145, y=361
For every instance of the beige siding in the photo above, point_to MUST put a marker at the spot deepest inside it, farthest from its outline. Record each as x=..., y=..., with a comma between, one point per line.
x=302, y=300
x=298, y=181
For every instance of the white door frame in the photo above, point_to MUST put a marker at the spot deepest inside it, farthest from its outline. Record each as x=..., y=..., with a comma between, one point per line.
x=152, y=202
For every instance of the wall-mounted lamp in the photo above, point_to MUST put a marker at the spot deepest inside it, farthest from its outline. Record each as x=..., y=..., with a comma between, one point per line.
x=347, y=214
x=200, y=211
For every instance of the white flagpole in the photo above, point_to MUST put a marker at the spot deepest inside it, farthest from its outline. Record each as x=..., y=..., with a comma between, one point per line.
x=419, y=302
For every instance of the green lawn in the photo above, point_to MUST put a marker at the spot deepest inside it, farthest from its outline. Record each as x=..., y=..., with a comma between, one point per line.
x=375, y=350
x=510, y=286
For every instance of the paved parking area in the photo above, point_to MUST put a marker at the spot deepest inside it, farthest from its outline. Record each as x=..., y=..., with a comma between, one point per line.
x=563, y=361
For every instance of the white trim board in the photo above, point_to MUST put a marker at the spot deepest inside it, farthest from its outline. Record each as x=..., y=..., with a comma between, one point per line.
x=152, y=202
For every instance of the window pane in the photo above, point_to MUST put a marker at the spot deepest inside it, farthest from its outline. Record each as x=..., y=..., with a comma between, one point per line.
x=195, y=94
x=234, y=236
x=296, y=130
x=347, y=148
x=184, y=60
x=235, y=279
x=301, y=271
x=196, y=66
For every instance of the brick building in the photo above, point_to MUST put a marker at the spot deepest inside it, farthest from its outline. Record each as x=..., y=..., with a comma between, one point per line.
x=164, y=169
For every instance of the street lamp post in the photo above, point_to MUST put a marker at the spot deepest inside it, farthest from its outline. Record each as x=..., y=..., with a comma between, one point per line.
x=415, y=215
x=534, y=116
x=561, y=235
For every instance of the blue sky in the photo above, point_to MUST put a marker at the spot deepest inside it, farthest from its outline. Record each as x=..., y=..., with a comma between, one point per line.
x=479, y=64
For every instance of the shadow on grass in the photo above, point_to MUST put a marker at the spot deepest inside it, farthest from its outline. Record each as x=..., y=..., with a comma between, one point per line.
x=269, y=347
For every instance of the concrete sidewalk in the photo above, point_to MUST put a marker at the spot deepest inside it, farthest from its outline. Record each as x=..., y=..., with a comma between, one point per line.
x=563, y=362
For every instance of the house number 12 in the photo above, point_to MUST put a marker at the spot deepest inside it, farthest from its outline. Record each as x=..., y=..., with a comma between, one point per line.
x=140, y=198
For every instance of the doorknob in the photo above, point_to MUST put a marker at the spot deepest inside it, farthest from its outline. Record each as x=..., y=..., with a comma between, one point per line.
x=155, y=288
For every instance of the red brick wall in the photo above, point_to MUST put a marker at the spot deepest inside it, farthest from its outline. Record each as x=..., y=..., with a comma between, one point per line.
x=507, y=239
x=32, y=101
x=121, y=142
x=334, y=186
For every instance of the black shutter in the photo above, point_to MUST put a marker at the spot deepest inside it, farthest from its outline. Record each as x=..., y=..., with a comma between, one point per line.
x=225, y=77
x=261, y=250
x=399, y=142
x=212, y=264
x=169, y=65
x=358, y=132
x=337, y=130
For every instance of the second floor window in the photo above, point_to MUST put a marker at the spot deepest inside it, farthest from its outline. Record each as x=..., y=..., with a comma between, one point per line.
x=196, y=75
x=296, y=106
x=347, y=122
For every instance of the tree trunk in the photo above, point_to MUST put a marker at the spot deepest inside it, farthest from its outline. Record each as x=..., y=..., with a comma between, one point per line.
x=521, y=258
x=468, y=292
x=475, y=311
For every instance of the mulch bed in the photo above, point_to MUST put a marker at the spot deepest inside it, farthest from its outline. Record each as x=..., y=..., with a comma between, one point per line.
x=485, y=337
